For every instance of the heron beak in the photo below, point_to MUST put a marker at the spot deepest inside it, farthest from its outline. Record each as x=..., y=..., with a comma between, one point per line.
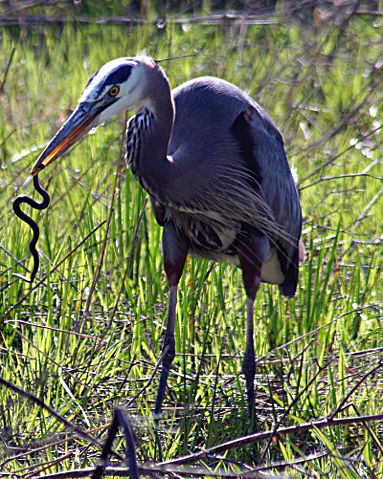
x=78, y=125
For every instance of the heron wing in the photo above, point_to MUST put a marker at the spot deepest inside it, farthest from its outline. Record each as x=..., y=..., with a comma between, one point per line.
x=265, y=155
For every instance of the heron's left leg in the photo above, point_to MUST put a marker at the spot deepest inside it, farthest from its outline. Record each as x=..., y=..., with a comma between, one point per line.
x=174, y=251
x=253, y=251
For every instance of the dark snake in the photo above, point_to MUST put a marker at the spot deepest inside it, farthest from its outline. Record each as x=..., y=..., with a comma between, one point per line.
x=24, y=217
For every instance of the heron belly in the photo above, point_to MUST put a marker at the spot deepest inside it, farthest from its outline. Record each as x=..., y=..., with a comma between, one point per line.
x=205, y=235
x=208, y=237
x=271, y=270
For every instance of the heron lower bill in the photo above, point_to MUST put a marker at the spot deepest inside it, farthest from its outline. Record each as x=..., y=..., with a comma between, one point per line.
x=75, y=128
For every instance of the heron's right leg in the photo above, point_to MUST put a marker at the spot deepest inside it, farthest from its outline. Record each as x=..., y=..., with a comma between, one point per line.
x=174, y=251
x=253, y=251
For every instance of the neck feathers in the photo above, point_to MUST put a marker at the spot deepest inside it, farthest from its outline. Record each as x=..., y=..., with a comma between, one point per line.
x=135, y=135
x=149, y=131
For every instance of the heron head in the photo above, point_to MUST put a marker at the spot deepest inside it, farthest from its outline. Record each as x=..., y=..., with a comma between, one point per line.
x=115, y=87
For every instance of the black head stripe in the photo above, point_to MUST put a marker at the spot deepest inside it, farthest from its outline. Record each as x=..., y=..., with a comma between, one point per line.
x=112, y=73
x=119, y=75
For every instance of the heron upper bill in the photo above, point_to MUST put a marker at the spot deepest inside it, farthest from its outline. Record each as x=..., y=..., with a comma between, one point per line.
x=76, y=127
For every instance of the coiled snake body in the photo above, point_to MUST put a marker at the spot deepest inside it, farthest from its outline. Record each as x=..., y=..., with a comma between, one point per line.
x=24, y=217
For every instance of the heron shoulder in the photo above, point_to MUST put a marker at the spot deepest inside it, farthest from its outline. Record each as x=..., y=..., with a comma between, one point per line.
x=221, y=95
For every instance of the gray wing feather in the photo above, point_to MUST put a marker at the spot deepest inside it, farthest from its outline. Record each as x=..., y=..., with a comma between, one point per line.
x=281, y=194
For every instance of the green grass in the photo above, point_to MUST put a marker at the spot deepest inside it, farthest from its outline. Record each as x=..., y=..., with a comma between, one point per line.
x=324, y=92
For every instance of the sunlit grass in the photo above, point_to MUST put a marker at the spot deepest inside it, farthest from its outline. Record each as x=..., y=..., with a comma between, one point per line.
x=313, y=349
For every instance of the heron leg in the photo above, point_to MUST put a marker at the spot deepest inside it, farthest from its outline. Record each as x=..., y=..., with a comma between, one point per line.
x=252, y=252
x=174, y=251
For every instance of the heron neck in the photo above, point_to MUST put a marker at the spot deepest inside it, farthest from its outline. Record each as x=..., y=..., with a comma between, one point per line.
x=148, y=137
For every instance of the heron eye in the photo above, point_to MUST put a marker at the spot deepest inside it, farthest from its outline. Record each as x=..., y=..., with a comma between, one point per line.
x=114, y=91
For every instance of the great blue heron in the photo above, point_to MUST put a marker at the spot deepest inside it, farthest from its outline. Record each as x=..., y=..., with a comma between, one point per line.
x=215, y=167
